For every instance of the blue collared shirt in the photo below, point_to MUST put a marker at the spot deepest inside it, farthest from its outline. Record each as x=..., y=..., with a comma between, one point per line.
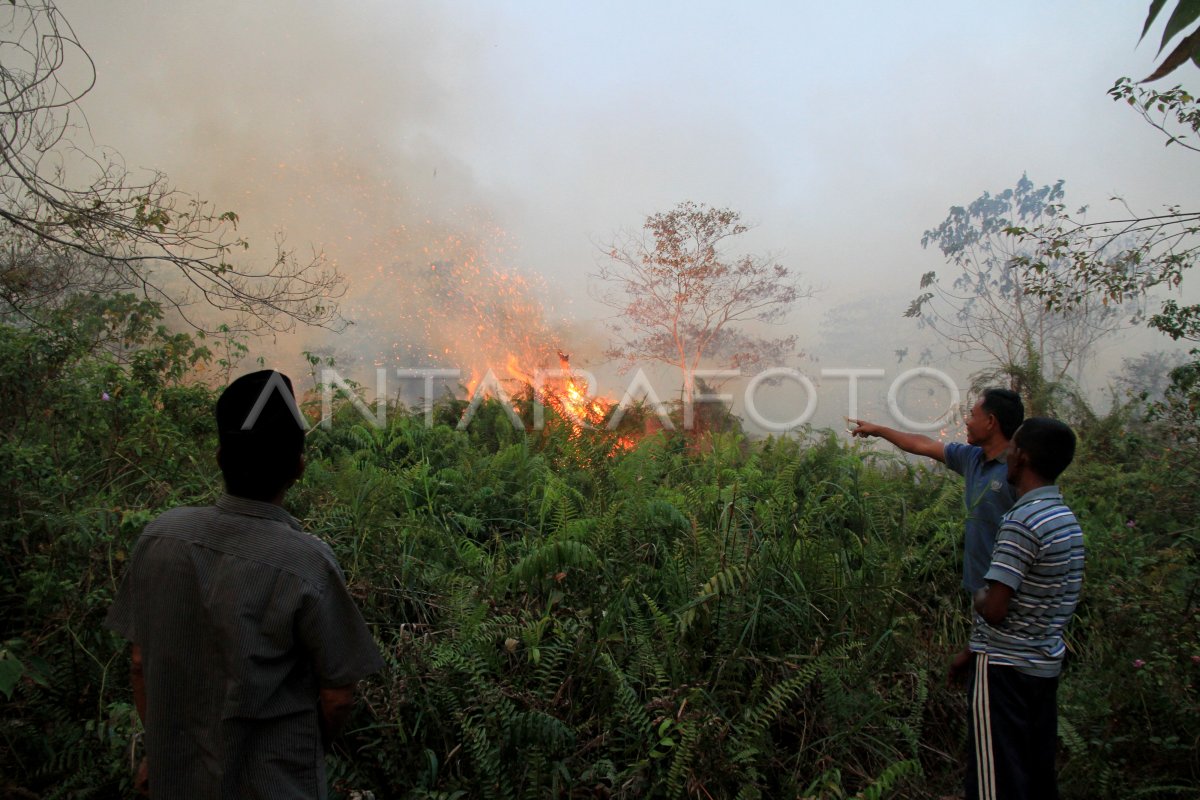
x=988, y=496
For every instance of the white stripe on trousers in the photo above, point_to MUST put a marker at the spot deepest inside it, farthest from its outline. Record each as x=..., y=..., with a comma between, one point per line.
x=985, y=767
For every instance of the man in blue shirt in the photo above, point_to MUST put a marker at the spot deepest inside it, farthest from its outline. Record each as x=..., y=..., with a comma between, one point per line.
x=994, y=418
x=1016, y=650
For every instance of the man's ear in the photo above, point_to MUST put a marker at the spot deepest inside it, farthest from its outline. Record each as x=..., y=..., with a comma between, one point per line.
x=300, y=465
x=1022, y=461
x=220, y=465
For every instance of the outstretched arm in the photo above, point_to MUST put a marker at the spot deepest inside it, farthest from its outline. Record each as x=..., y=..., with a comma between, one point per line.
x=914, y=443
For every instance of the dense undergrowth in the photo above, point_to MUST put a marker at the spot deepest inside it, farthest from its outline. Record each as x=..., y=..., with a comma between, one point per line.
x=713, y=618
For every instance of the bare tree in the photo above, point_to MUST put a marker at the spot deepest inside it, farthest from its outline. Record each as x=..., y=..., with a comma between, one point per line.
x=681, y=300
x=74, y=218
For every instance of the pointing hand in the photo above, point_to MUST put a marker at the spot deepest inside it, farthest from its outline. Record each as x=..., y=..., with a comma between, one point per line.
x=863, y=428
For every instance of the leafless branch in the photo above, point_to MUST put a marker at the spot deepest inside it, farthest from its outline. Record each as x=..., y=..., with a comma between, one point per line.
x=60, y=195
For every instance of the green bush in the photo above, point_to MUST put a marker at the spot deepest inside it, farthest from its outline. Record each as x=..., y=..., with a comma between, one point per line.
x=562, y=617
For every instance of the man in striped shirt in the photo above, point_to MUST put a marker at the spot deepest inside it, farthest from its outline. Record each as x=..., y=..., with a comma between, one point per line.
x=246, y=643
x=1017, y=648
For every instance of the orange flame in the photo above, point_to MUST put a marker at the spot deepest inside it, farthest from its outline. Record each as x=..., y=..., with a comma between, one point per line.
x=479, y=316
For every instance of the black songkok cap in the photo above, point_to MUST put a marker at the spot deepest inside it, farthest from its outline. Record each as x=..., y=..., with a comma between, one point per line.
x=259, y=411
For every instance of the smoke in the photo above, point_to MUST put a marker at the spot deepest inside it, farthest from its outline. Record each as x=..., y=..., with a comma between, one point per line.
x=446, y=156
x=329, y=135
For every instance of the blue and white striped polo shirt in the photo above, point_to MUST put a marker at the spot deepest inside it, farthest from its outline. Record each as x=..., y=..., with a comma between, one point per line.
x=1039, y=554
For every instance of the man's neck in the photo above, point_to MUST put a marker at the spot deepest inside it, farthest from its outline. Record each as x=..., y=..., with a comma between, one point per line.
x=994, y=447
x=276, y=500
x=1028, y=483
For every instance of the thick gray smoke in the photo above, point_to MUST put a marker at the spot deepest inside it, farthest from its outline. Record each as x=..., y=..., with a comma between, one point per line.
x=443, y=154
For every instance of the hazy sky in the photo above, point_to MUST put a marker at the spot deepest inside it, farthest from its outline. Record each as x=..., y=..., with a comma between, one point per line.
x=393, y=134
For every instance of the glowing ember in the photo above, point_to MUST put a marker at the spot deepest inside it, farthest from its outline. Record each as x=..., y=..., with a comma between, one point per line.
x=571, y=399
x=562, y=390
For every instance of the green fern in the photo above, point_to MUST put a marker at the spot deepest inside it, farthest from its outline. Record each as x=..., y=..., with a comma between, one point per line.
x=1071, y=738
x=553, y=557
x=687, y=733
x=748, y=792
x=537, y=729
x=560, y=505
x=726, y=582
x=778, y=697
x=630, y=708
x=665, y=628
x=486, y=757
x=644, y=650
x=887, y=780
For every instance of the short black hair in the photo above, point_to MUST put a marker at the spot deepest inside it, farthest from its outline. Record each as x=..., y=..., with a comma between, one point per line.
x=261, y=435
x=1050, y=445
x=1006, y=406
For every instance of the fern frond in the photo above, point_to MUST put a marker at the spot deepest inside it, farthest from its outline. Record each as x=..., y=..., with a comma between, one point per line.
x=537, y=729
x=628, y=704
x=681, y=760
x=778, y=697
x=728, y=581
x=553, y=557
x=889, y=778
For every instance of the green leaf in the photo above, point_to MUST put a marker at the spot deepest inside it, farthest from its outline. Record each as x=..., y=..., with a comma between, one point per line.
x=1185, y=14
x=10, y=672
x=1155, y=7
x=1188, y=48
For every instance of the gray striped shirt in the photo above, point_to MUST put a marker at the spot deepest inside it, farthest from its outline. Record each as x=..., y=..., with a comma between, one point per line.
x=1039, y=555
x=241, y=617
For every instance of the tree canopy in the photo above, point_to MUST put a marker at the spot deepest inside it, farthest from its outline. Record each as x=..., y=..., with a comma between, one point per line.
x=1069, y=260
x=683, y=300
x=986, y=312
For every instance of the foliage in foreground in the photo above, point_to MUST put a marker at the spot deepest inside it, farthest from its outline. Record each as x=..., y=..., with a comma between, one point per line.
x=741, y=619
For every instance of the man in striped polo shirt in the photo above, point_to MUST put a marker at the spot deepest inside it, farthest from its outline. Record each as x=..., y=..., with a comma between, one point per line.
x=246, y=643
x=1017, y=648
